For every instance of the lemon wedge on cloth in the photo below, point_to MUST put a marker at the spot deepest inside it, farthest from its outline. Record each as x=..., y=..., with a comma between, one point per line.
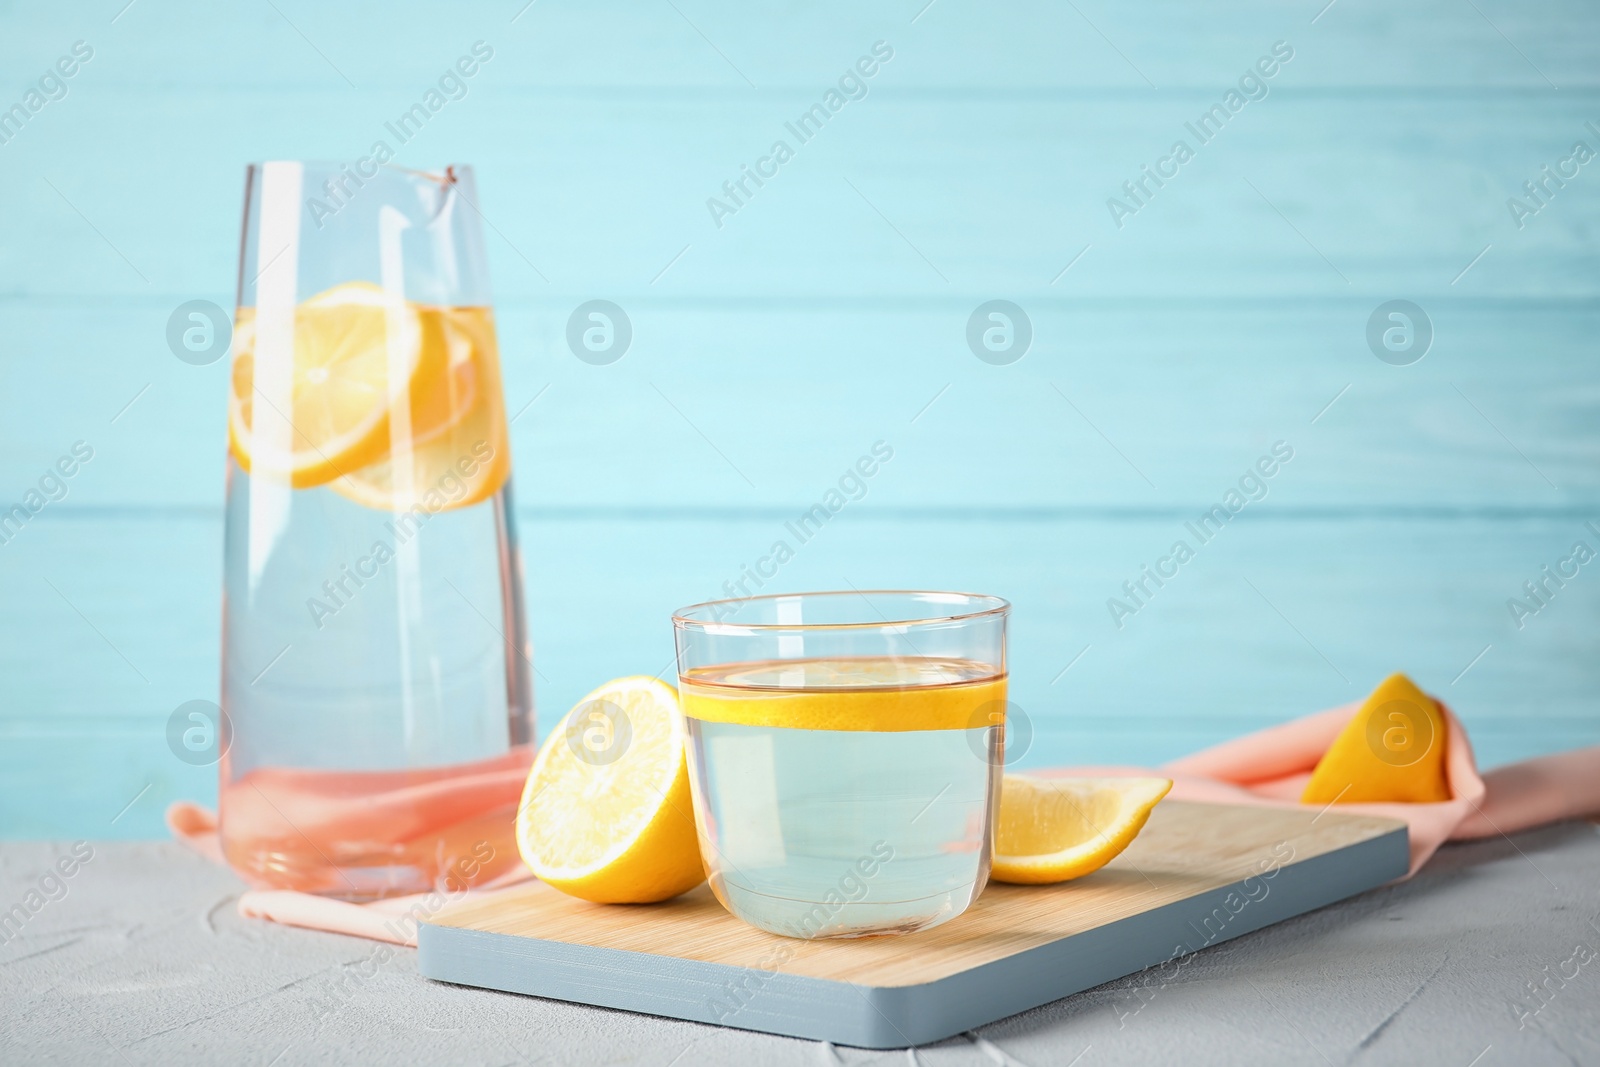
x=1056, y=829
x=606, y=814
x=1392, y=749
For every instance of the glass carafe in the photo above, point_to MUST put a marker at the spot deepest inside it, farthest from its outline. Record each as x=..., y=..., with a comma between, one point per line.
x=375, y=667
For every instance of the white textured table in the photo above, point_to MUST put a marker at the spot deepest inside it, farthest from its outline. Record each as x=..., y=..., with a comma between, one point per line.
x=144, y=960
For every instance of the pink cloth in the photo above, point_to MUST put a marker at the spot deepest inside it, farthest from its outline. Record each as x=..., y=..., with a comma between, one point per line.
x=1272, y=767
x=285, y=813
x=393, y=919
x=1269, y=767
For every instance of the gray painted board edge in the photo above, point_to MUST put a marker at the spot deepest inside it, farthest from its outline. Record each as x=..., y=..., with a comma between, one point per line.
x=883, y=1017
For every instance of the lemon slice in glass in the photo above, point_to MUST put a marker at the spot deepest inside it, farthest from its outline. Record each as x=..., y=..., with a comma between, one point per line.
x=325, y=411
x=449, y=443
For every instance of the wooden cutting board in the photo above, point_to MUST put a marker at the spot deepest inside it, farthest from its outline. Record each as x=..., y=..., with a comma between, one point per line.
x=1199, y=874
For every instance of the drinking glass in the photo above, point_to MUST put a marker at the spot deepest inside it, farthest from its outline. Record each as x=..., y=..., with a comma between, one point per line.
x=375, y=662
x=845, y=753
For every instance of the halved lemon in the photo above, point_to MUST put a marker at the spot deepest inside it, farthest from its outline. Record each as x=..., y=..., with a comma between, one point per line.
x=606, y=814
x=449, y=445
x=1056, y=829
x=325, y=410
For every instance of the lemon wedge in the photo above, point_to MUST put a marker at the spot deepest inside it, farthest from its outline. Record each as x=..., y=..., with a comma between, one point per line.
x=1056, y=829
x=606, y=814
x=1391, y=750
x=326, y=411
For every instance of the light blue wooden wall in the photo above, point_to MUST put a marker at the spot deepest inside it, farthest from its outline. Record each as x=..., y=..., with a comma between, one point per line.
x=827, y=313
